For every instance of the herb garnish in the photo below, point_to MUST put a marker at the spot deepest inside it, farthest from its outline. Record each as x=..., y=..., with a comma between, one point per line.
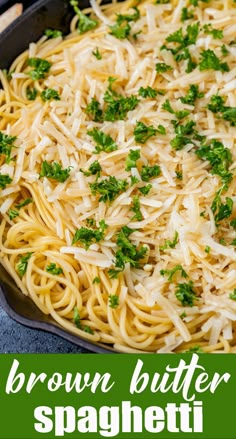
x=6, y=145
x=148, y=172
x=53, y=269
x=136, y=209
x=54, y=171
x=48, y=94
x=53, y=33
x=186, y=14
x=171, y=273
x=89, y=236
x=192, y=94
x=216, y=33
x=94, y=110
x=145, y=189
x=104, y=142
x=170, y=244
x=143, y=132
x=185, y=293
x=161, y=67
x=24, y=203
x=31, y=93
x=5, y=179
x=121, y=29
x=109, y=188
x=147, y=92
x=179, y=114
x=233, y=295
x=216, y=105
x=113, y=301
x=13, y=214
x=97, y=54
x=23, y=264
x=94, y=169
x=132, y=158
x=41, y=67
x=127, y=252
x=77, y=322
x=85, y=23
x=209, y=60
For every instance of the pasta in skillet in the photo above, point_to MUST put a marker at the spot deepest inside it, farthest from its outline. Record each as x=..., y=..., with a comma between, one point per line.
x=117, y=175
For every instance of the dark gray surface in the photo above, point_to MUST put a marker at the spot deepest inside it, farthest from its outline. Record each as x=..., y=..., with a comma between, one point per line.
x=16, y=338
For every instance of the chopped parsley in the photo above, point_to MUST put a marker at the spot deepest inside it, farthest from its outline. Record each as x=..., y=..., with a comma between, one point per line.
x=53, y=33
x=216, y=33
x=185, y=293
x=132, y=158
x=207, y=249
x=127, y=252
x=209, y=60
x=104, y=142
x=24, y=203
x=224, y=50
x=31, y=93
x=233, y=223
x=147, y=92
x=118, y=106
x=186, y=14
x=54, y=171
x=94, y=169
x=49, y=94
x=171, y=273
x=195, y=2
x=221, y=211
x=192, y=95
x=219, y=157
x=91, y=222
x=233, y=295
x=13, y=214
x=179, y=175
x=96, y=280
x=23, y=264
x=179, y=114
x=181, y=42
x=145, y=189
x=170, y=244
x=89, y=236
x=85, y=23
x=77, y=322
x=180, y=140
x=113, y=300
x=41, y=67
x=97, y=54
x=6, y=145
x=53, y=269
x=216, y=105
x=94, y=110
x=5, y=179
x=136, y=209
x=195, y=349
x=121, y=29
x=161, y=67
x=148, y=172
x=143, y=132
x=108, y=188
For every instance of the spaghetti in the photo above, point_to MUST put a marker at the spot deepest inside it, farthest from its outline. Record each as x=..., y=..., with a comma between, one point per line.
x=117, y=175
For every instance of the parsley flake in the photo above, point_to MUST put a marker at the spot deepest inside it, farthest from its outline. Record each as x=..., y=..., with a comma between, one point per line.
x=209, y=60
x=41, y=67
x=185, y=293
x=23, y=264
x=104, y=142
x=53, y=269
x=85, y=23
x=108, y=188
x=5, y=179
x=54, y=171
x=49, y=94
x=89, y=236
x=132, y=158
x=6, y=145
x=143, y=132
x=113, y=301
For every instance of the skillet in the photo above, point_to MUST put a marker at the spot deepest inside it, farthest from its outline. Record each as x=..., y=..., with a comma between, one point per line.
x=37, y=17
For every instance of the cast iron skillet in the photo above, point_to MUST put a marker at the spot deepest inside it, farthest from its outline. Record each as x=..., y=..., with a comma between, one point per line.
x=42, y=14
